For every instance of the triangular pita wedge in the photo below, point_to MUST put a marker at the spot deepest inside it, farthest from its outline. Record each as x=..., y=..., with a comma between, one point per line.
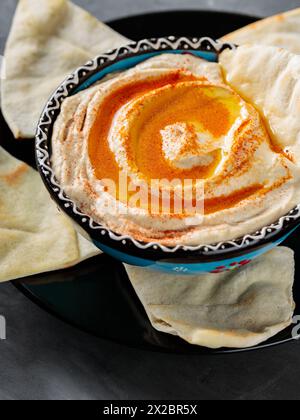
x=34, y=236
x=236, y=309
x=282, y=30
x=269, y=78
x=48, y=40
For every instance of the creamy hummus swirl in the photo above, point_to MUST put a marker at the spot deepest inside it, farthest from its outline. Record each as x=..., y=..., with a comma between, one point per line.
x=172, y=118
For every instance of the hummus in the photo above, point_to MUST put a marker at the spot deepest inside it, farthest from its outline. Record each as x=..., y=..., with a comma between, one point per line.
x=172, y=120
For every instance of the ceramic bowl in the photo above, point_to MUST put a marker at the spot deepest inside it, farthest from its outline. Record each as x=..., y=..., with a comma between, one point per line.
x=210, y=258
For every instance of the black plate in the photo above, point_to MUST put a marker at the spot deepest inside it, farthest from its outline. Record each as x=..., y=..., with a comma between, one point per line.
x=96, y=296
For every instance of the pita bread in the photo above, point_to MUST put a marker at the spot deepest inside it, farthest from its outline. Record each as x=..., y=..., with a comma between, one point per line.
x=281, y=30
x=35, y=237
x=236, y=309
x=47, y=41
x=269, y=78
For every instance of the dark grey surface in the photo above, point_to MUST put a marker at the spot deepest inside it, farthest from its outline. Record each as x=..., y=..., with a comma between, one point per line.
x=43, y=358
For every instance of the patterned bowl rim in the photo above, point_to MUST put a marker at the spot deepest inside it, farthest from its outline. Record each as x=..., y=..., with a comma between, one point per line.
x=80, y=78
